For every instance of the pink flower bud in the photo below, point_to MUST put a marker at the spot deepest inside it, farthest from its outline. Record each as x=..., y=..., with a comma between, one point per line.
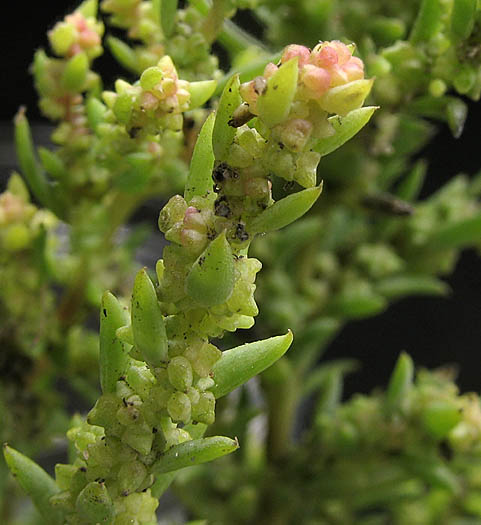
x=338, y=76
x=248, y=93
x=343, y=52
x=295, y=50
x=316, y=79
x=269, y=70
x=193, y=219
x=148, y=101
x=354, y=69
x=88, y=38
x=326, y=57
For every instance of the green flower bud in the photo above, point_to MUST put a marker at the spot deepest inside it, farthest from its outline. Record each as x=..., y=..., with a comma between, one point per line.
x=440, y=417
x=179, y=407
x=171, y=213
x=274, y=104
x=38, y=485
x=211, y=278
x=194, y=452
x=94, y=504
x=202, y=356
x=130, y=476
x=151, y=78
x=147, y=321
x=204, y=410
x=139, y=437
x=285, y=211
x=140, y=379
x=123, y=107
x=180, y=373
x=61, y=38
x=64, y=475
x=16, y=237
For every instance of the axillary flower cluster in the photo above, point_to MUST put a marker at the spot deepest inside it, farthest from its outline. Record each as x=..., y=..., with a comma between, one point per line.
x=160, y=373
x=325, y=81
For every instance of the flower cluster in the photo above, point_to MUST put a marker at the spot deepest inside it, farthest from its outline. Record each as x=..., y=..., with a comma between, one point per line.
x=293, y=101
x=156, y=103
x=76, y=34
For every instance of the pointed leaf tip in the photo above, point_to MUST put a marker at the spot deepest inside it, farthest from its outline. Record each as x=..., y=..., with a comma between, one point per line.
x=211, y=279
x=148, y=326
x=238, y=365
x=195, y=452
x=38, y=485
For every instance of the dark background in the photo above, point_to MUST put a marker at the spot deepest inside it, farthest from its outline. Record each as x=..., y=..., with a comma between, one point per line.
x=434, y=331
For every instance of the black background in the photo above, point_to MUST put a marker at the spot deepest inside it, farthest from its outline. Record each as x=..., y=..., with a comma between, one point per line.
x=434, y=331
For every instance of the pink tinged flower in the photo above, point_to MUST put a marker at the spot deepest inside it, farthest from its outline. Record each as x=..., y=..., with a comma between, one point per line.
x=316, y=79
x=88, y=38
x=193, y=219
x=338, y=76
x=354, y=69
x=248, y=93
x=74, y=50
x=148, y=101
x=296, y=133
x=343, y=52
x=326, y=57
x=269, y=70
x=192, y=239
x=294, y=50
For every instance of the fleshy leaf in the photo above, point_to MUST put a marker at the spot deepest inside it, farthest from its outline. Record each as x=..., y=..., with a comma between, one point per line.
x=463, y=18
x=286, y=210
x=147, y=322
x=123, y=53
x=346, y=98
x=113, y=358
x=345, y=128
x=428, y=20
x=194, y=452
x=238, y=365
x=458, y=234
x=223, y=134
x=28, y=162
x=168, y=10
x=274, y=104
x=94, y=504
x=75, y=73
x=400, y=382
x=402, y=285
x=200, y=92
x=199, y=181
x=211, y=278
x=38, y=485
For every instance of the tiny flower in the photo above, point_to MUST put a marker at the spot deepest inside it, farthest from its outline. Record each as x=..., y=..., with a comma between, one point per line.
x=294, y=50
x=316, y=79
